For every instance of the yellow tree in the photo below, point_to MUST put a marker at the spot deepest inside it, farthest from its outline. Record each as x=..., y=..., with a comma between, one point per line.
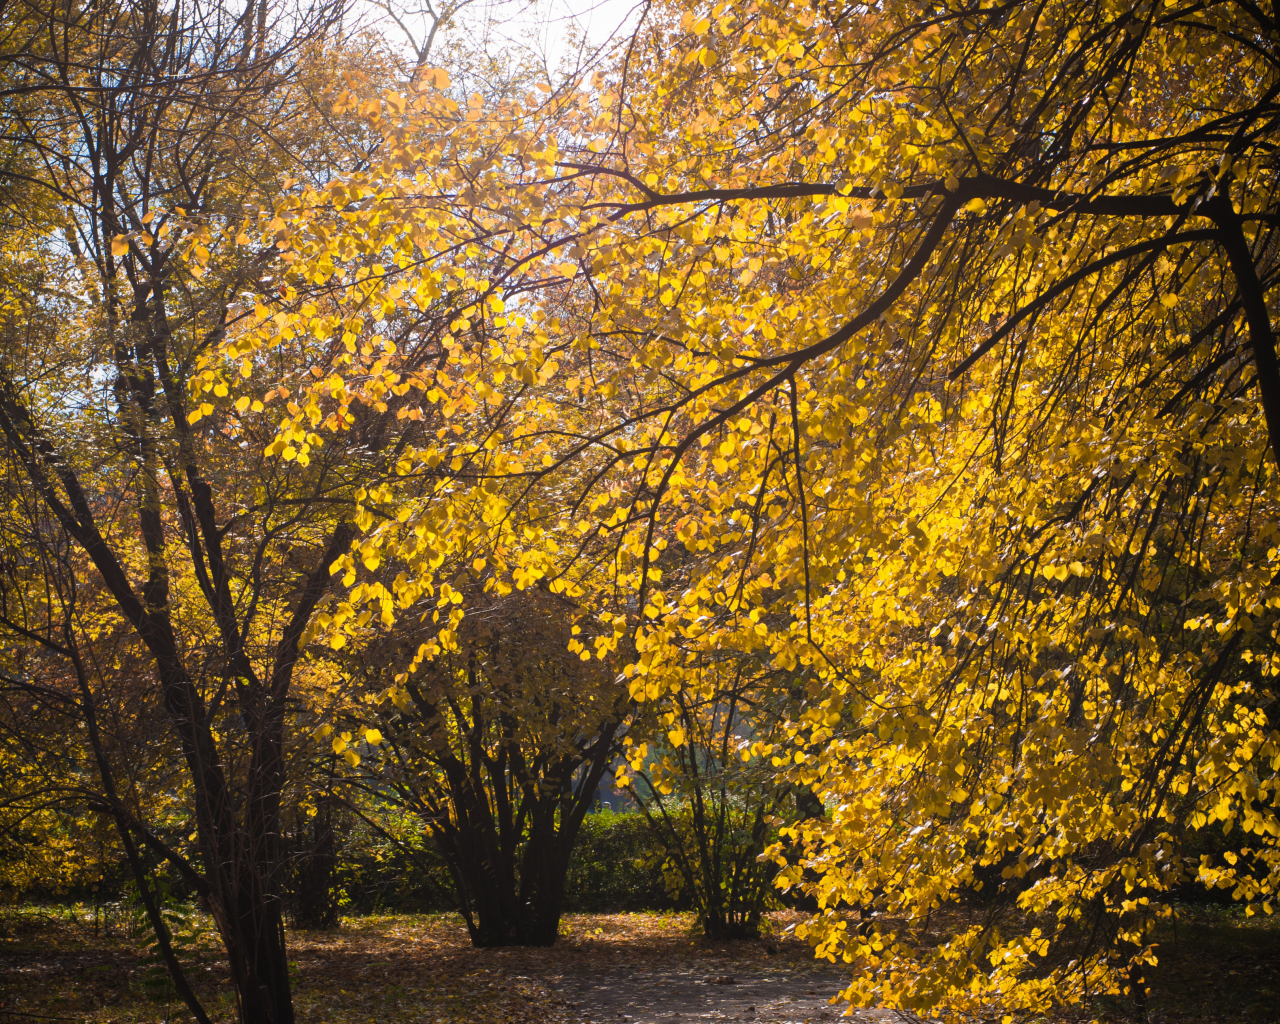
x=941, y=342
x=155, y=130
x=498, y=745
x=712, y=800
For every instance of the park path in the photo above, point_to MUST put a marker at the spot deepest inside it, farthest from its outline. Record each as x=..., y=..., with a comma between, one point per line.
x=682, y=993
x=604, y=969
x=647, y=969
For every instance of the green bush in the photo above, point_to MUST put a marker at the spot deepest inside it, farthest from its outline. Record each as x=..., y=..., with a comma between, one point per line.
x=393, y=866
x=375, y=874
x=616, y=866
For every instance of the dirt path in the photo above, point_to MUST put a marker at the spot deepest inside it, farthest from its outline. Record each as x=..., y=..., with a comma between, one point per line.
x=606, y=969
x=785, y=993
x=646, y=969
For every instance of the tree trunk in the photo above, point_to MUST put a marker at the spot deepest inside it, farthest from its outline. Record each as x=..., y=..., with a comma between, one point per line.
x=504, y=907
x=313, y=900
x=240, y=862
x=263, y=989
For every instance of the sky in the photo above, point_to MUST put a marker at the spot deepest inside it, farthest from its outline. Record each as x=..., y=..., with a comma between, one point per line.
x=552, y=21
x=551, y=27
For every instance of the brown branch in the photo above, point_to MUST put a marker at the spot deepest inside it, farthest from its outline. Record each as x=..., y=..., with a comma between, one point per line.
x=1254, y=300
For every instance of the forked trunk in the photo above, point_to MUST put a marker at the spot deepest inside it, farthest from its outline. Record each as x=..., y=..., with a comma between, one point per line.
x=503, y=912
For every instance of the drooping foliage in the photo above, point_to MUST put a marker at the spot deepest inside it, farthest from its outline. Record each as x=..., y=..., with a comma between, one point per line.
x=916, y=364
x=924, y=352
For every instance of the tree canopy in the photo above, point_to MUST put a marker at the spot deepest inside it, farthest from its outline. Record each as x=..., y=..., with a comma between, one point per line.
x=927, y=351
x=916, y=360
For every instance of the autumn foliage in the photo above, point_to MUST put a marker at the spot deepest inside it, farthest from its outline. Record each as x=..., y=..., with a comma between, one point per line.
x=907, y=371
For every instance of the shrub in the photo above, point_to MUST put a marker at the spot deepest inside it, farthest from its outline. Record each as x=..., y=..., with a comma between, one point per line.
x=617, y=865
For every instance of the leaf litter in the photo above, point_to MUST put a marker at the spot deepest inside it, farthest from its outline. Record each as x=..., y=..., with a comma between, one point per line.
x=637, y=968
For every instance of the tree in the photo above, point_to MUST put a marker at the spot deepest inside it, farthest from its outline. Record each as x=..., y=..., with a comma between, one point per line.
x=499, y=745
x=711, y=804
x=79, y=723
x=944, y=337
x=421, y=38
x=162, y=131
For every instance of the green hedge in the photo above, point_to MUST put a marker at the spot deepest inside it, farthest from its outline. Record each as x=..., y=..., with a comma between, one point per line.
x=617, y=866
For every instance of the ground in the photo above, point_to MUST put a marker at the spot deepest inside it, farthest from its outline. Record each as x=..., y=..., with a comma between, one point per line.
x=70, y=965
